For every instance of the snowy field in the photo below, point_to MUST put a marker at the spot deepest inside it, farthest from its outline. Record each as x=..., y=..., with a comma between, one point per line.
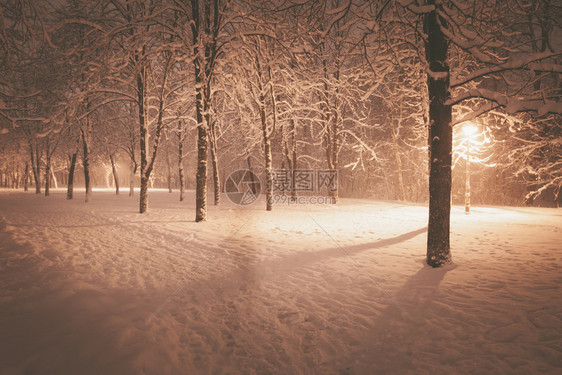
x=99, y=289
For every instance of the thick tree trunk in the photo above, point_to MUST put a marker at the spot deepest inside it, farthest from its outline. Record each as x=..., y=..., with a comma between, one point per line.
x=205, y=51
x=201, y=176
x=143, y=205
x=202, y=131
x=202, y=153
x=70, y=187
x=440, y=142
x=180, y=168
x=115, y=177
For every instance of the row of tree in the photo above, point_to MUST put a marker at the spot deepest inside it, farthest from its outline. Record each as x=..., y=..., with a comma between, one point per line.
x=372, y=89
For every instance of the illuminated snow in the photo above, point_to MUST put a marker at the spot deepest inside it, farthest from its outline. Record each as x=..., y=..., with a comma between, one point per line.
x=99, y=288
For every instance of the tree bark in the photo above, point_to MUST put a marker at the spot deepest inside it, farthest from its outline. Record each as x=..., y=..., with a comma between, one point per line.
x=440, y=141
x=70, y=187
x=253, y=186
x=115, y=177
x=214, y=163
x=143, y=206
x=134, y=167
x=331, y=126
x=398, y=163
x=293, y=163
x=86, y=160
x=143, y=138
x=169, y=165
x=148, y=164
x=36, y=168
x=268, y=164
x=180, y=167
x=201, y=176
x=54, y=181
x=26, y=177
x=202, y=132
x=47, y=175
x=266, y=134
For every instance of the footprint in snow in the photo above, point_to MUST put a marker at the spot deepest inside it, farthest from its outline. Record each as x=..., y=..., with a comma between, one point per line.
x=288, y=317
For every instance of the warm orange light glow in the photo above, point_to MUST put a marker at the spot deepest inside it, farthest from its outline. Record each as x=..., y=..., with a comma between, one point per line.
x=469, y=129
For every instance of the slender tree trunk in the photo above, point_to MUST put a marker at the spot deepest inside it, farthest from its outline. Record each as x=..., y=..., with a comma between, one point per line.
x=180, y=167
x=215, y=164
x=115, y=177
x=36, y=168
x=335, y=136
x=143, y=137
x=440, y=141
x=398, y=163
x=266, y=135
x=70, y=187
x=47, y=175
x=26, y=177
x=268, y=164
x=54, y=181
x=293, y=163
x=253, y=181
x=169, y=165
x=86, y=161
x=148, y=164
x=134, y=167
x=330, y=126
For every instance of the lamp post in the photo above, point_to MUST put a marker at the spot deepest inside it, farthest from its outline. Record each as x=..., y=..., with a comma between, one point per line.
x=468, y=130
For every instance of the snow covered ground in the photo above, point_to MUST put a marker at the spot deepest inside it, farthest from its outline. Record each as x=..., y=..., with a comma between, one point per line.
x=99, y=289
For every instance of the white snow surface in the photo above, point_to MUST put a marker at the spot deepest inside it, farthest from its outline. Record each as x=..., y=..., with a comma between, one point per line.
x=97, y=288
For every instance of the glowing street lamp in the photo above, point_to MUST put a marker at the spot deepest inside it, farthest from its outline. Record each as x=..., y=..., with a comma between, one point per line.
x=469, y=129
